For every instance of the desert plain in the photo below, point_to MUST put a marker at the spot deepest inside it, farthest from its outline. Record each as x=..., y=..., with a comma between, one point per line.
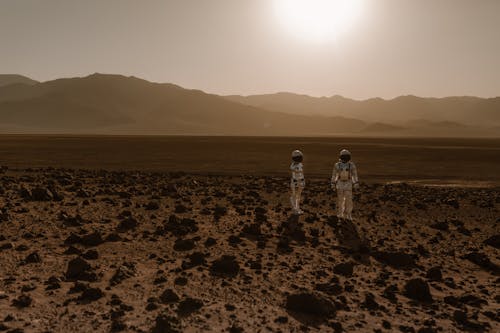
x=195, y=234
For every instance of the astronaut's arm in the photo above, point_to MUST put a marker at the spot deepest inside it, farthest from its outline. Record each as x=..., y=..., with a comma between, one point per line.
x=354, y=174
x=335, y=176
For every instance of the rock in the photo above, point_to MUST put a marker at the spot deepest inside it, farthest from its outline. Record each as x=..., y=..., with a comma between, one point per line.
x=22, y=301
x=310, y=304
x=370, y=303
x=434, y=274
x=195, y=259
x=93, y=239
x=460, y=316
x=344, y=269
x=123, y=272
x=72, y=250
x=152, y=205
x=219, y=211
x=113, y=237
x=482, y=261
x=90, y=295
x=180, y=281
x=452, y=300
x=462, y=320
x=329, y=288
x=234, y=240
x=236, y=329
x=53, y=283
x=73, y=239
x=78, y=269
x=189, y=306
x=71, y=221
x=397, y=260
x=180, y=209
x=169, y=296
x=41, y=194
x=117, y=326
x=180, y=227
x=166, y=324
x=33, y=258
x=453, y=203
x=210, y=242
x=127, y=224
x=184, y=244
x=28, y=287
x=226, y=266
x=443, y=226
x=493, y=241
x=417, y=289
x=91, y=255
x=472, y=300
x=6, y=246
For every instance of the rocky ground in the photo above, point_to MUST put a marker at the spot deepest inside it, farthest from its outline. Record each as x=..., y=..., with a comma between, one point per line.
x=100, y=251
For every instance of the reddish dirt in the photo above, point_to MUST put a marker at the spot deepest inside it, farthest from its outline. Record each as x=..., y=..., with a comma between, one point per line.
x=101, y=251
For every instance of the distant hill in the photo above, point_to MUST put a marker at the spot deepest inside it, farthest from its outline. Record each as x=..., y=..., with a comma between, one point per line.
x=471, y=111
x=8, y=79
x=117, y=104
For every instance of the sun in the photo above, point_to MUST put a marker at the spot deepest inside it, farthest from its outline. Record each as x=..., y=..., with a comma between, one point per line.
x=318, y=20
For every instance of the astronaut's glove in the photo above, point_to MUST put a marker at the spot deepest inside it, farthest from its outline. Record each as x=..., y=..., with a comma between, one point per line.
x=356, y=186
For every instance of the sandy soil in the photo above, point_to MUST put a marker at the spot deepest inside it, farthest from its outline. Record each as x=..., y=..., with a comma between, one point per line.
x=377, y=159
x=101, y=251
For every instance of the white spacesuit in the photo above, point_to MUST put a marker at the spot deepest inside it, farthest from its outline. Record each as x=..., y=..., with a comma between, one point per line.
x=297, y=182
x=344, y=179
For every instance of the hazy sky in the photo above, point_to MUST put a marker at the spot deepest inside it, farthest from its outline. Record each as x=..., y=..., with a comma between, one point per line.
x=394, y=47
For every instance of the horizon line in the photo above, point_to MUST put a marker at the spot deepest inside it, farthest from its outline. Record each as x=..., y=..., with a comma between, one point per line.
x=277, y=92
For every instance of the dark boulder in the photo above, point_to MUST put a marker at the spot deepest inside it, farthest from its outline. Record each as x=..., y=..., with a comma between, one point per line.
x=493, y=241
x=310, y=304
x=344, y=269
x=169, y=296
x=184, y=244
x=93, y=239
x=189, y=306
x=397, y=260
x=79, y=269
x=226, y=266
x=22, y=301
x=33, y=258
x=482, y=261
x=418, y=290
x=434, y=274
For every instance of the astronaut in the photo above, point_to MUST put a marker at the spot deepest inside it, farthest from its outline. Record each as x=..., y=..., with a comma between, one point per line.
x=297, y=182
x=344, y=179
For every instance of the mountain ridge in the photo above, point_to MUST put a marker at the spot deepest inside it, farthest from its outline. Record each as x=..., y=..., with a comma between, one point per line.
x=119, y=103
x=113, y=103
x=8, y=79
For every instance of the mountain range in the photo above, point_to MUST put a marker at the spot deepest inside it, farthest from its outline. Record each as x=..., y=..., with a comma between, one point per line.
x=115, y=104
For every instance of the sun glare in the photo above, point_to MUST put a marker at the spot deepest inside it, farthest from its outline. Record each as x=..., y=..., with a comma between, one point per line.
x=318, y=20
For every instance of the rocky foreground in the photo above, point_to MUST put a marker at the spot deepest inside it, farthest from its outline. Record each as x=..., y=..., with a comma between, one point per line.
x=98, y=251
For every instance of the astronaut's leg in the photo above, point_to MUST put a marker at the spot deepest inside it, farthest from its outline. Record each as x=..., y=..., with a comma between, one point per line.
x=340, y=203
x=293, y=200
x=298, y=193
x=348, y=204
